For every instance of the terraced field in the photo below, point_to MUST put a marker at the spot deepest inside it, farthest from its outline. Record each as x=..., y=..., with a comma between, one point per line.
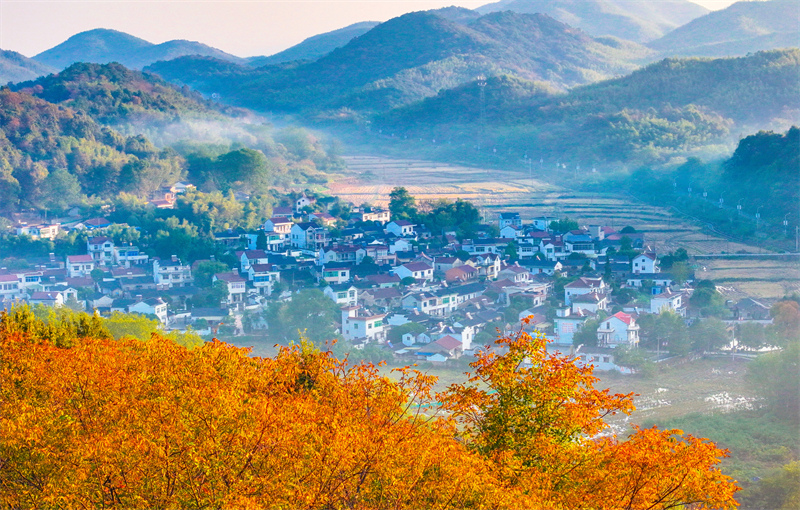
x=370, y=179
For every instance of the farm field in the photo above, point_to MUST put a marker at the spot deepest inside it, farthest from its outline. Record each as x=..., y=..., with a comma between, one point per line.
x=370, y=179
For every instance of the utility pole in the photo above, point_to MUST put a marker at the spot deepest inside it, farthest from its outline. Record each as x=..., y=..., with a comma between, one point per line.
x=482, y=93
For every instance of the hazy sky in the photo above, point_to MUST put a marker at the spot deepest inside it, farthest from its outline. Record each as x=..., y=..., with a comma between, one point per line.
x=241, y=27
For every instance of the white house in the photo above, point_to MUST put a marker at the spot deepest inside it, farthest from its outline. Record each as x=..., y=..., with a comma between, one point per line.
x=591, y=302
x=668, y=300
x=152, y=306
x=303, y=201
x=101, y=250
x=400, y=228
x=249, y=258
x=645, y=263
x=172, y=273
x=583, y=285
x=619, y=329
x=127, y=256
x=342, y=294
x=263, y=277
x=9, y=287
x=80, y=266
x=361, y=326
x=52, y=298
x=416, y=270
x=237, y=288
x=509, y=218
x=336, y=272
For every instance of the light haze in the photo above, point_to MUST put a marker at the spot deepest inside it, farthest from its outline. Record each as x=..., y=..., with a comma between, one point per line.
x=241, y=27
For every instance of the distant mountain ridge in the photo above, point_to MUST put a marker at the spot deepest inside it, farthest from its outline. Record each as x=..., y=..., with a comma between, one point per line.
x=672, y=107
x=414, y=56
x=16, y=67
x=101, y=46
x=634, y=20
x=316, y=46
x=741, y=28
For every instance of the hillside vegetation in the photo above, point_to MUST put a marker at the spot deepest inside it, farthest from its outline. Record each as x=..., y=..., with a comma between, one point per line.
x=412, y=57
x=112, y=94
x=741, y=28
x=673, y=107
x=92, y=421
x=89, y=131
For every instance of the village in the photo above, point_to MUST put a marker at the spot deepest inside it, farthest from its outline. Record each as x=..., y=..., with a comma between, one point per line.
x=417, y=296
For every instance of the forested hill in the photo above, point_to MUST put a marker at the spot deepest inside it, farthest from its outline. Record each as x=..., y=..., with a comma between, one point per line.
x=316, y=46
x=102, y=46
x=739, y=29
x=673, y=107
x=50, y=154
x=414, y=56
x=635, y=20
x=112, y=94
x=16, y=67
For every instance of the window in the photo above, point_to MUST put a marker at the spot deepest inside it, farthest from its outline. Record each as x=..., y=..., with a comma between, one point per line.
x=341, y=295
x=352, y=293
x=446, y=300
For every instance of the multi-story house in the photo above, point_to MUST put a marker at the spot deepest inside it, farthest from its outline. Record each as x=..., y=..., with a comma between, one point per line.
x=619, y=329
x=510, y=218
x=172, y=273
x=101, y=249
x=360, y=326
x=80, y=266
x=309, y=236
x=263, y=277
x=583, y=285
x=237, y=288
x=9, y=287
x=128, y=256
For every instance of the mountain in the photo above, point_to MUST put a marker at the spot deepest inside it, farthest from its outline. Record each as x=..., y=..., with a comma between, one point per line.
x=742, y=28
x=316, y=46
x=17, y=67
x=50, y=154
x=102, y=46
x=415, y=56
x=112, y=94
x=635, y=20
x=672, y=107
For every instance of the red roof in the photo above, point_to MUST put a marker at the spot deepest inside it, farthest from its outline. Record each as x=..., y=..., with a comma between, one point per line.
x=417, y=266
x=79, y=258
x=448, y=342
x=624, y=317
x=229, y=277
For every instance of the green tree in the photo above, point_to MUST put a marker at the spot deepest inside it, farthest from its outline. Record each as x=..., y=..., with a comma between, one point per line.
x=123, y=325
x=310, y=313
x=402, y=205
x=587, y=335
x=751, y=334
x=776, y=376
x=671, y=333
x=709, y=335
x=206, y=270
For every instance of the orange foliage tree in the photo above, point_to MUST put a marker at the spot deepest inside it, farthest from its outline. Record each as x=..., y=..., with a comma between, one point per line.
x=102, y=423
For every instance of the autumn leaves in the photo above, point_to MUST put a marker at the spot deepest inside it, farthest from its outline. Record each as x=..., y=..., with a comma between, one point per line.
x=151, y=424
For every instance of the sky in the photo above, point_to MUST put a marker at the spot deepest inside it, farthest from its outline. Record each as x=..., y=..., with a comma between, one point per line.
x=241, y=27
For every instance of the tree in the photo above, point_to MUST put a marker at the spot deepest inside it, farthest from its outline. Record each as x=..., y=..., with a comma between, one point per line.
x=707, y=299
x=786, y=321
x=536, y=416
x=132, y=423
x=131, y=325
x=563, y=225
x=776, y=376
x=671, y=332
x=261, y=240
x=709, y=335
x=310, y=313
x=205, y=271
x=751, y=335
x=402, y=205
x=587, y=335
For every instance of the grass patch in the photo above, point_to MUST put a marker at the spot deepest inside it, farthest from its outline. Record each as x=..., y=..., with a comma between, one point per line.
x=759, y=442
